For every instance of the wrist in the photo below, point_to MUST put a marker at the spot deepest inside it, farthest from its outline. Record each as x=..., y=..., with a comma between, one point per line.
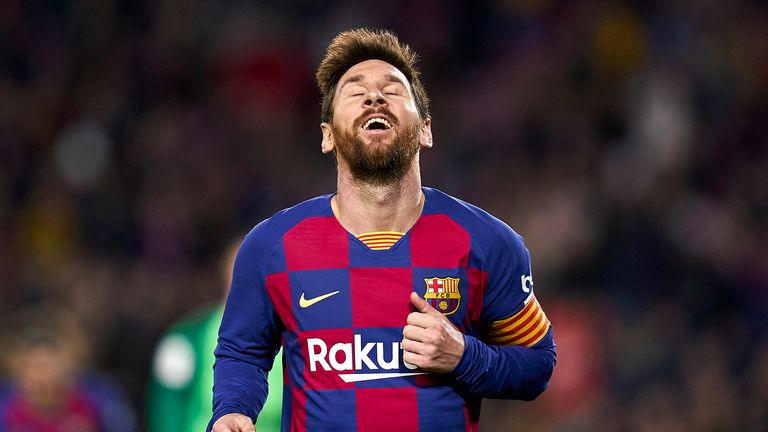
x=466, y=362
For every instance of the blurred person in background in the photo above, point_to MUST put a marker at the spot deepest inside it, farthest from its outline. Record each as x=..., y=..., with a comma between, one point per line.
x=179, y=391
x=399, y=307
x=49, y=389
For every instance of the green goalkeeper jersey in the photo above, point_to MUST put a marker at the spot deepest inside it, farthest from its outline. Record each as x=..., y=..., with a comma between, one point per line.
x=179, y=394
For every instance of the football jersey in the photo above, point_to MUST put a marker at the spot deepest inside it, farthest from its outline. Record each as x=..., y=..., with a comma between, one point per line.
x=338, y=308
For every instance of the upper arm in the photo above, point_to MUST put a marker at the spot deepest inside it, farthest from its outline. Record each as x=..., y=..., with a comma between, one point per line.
x=511, y=313
x=250, y=328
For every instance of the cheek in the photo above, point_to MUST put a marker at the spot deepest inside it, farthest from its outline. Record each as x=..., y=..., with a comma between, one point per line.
x=410, y=111
x=343, y=116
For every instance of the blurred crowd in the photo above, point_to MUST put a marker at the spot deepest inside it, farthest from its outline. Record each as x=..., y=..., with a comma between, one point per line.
x=627, y=141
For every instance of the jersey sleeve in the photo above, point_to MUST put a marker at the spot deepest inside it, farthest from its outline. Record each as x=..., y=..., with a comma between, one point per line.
x=515, y=354
x=249, y=336
x=511, y=315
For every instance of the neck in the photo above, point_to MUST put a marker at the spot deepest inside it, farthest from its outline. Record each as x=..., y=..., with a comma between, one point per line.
x=362, y=207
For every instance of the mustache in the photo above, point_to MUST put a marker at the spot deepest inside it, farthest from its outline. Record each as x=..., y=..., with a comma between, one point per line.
x=372, y=111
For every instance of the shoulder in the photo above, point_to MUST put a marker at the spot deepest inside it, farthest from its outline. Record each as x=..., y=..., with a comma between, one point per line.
x=265, y=235
x=486, y=230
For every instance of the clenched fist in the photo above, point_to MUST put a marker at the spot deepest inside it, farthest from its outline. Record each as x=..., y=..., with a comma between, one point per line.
x=430, y=341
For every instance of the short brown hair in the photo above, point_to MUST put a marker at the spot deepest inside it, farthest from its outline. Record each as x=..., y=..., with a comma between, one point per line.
x=354, y=46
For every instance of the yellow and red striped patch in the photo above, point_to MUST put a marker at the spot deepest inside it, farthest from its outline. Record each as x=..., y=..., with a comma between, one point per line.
x=380, y=240
x=525, y=328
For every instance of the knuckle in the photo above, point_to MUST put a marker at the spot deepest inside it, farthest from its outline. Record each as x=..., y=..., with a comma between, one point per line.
x=409, y=332
x=433, y=337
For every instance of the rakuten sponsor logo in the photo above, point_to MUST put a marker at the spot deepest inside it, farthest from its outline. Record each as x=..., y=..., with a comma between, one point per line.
x=352, y=356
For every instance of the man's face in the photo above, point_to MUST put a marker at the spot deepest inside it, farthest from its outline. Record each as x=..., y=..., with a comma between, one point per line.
x=376, y=127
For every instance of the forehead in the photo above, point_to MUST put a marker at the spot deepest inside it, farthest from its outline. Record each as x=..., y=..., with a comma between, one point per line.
x=374, y=69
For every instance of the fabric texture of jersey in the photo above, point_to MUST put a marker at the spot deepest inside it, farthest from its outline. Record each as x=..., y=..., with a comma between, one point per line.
x=338, y=308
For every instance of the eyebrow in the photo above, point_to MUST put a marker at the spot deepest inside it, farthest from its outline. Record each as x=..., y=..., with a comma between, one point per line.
x=395, y=79
x=360, y=77
x=350, y=80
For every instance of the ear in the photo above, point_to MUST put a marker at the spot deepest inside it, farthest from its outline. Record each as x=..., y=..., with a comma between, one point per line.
x=425, y=134
x=327, y=144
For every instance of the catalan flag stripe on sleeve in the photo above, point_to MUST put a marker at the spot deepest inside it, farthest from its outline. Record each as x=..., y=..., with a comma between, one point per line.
x=525, y=328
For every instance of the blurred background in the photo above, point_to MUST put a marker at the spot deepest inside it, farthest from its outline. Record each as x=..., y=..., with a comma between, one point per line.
x=627, y=141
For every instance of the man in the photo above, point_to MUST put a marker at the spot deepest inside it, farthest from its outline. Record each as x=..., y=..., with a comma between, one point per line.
x=398, y=307
x=47, y=387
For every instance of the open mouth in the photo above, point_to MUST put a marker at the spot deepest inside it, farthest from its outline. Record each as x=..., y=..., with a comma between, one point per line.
x=377, y=123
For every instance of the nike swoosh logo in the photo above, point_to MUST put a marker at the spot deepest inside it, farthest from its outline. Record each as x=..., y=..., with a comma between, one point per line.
x=305, y=303
x=350, y=378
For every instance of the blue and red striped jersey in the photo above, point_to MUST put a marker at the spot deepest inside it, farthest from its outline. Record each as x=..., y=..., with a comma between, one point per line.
x=338, y=307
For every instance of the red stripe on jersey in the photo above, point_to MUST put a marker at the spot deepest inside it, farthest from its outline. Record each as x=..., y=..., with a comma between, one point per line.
x=437, y=241
x=380, y=240
x=387, y=409
x=519, y=327
x=471, y=415
x=525, y=328
x=533, y=339
x=511, y=325
x=299, y=408
x=524, y=334
x=320, y=377
x=478, y=281
x=374, y=290
x=316, y=243
x=278, y=288
x=381, y=234
x=514, y=320
x=380, y=245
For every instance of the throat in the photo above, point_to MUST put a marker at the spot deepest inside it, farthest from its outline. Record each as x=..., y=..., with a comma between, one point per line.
x=361, y=215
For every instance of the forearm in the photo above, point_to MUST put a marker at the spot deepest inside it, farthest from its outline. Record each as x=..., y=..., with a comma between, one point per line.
x=238, y=388
x=505, y=372
x=240, y=378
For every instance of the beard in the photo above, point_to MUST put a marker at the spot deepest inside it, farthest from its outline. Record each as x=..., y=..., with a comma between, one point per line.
x=383, y=164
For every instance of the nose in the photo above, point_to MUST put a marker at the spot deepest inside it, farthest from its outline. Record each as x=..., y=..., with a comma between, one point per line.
x=374, y=98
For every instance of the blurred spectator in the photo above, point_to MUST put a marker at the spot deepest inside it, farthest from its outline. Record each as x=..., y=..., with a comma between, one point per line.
x=48, y=388
x=179, y=394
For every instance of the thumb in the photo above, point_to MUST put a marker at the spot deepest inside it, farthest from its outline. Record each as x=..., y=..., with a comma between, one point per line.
x=423, y=306
x=244, y=424
x=247, y=426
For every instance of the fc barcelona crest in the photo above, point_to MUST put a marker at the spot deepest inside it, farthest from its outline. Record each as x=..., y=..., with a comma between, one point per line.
x=443, y=294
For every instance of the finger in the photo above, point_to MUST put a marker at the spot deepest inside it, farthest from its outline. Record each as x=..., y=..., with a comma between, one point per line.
x=413, y=346
x=422, y=320
x=422, y=305
x=414, y=333
x=415, y=359
x=246, y=425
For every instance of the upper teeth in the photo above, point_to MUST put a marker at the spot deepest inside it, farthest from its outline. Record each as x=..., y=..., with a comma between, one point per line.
x=377, y=120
